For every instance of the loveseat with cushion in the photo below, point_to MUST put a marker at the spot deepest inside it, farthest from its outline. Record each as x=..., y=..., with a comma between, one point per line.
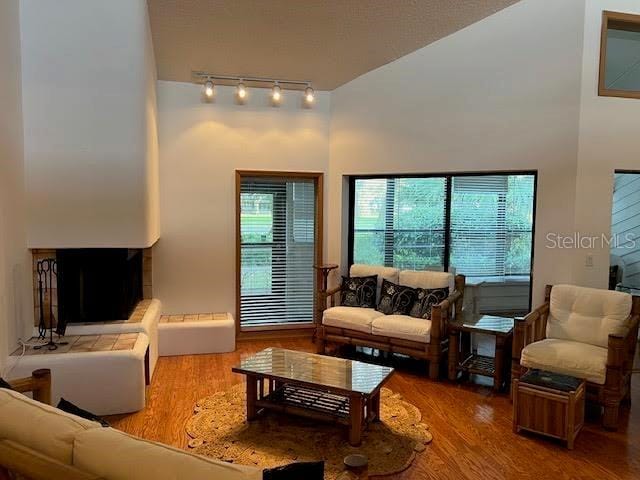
x=585, y=333
x=424, y=338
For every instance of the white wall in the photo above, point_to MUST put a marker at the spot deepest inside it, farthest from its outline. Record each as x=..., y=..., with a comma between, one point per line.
x=502, y=94
x=90, y=152
x=609, y=140
x=201, y=146
x=15, y=299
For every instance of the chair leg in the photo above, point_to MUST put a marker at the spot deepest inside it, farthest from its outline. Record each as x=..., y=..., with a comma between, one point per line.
x=320, y=345
x=610, y=417
x=434, y=370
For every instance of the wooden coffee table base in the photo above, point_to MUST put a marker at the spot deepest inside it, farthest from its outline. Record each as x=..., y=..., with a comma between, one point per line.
x=354, y=410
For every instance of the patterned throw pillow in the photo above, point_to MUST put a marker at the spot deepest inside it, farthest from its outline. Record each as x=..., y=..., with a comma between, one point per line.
x=395, y=299
x=426, y=297
x=359, y=291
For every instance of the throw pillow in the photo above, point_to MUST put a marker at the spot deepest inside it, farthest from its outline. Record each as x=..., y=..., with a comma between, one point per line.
x=395, y=299
x=359, y=291
x=295, y=471
x=69, y=407
x=5, y=384
x=425, y=298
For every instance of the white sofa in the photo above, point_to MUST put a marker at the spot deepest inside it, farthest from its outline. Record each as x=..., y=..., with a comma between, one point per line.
x=585, y=333
x=45, y=443
x=395, y=333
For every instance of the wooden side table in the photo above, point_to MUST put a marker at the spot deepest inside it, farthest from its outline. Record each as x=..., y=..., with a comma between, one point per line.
x=463, y=359
x=549, y=404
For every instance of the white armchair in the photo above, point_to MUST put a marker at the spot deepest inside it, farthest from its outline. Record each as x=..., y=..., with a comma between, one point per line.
x=586, y=333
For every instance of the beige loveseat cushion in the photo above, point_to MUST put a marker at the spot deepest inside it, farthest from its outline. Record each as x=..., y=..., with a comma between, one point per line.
x=427, y=279
x=587, y=315
x=353, y=318
x=402, y=326
x=40, y=427
x=115, y=455
x=580, y=360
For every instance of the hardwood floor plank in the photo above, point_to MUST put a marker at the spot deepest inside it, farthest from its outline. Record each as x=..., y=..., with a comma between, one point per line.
x=471, y=425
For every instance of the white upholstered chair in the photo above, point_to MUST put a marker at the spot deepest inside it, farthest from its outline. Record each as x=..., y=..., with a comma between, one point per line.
x=586, y=333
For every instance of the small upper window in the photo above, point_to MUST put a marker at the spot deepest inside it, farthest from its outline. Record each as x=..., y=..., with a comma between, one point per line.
x=620, y=55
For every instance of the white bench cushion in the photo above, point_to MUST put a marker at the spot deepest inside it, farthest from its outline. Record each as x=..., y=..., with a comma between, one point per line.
x=587, y=315
x=353, y=318
x=40, y=427
x=427, y=279
x=115, y=455
x=580, y=360
x=402, y=326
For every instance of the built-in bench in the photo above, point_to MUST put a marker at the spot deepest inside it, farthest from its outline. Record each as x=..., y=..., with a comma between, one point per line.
x=196, y=334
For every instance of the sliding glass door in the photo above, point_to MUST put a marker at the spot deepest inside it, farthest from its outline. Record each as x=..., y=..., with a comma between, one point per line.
x=278, y=245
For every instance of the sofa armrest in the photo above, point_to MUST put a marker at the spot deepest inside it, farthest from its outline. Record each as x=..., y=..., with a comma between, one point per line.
x=333, y=295
x=528, y=329
x=36, y=466
x=621, y=346
x=441, y=313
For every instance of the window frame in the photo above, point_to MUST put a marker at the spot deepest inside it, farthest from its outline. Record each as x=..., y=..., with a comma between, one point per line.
x=448, y=199
x=609, y=17
x=318, y=179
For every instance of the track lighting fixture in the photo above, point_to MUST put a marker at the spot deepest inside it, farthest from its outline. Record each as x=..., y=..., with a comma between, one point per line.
x=308, y=95
x=242, y=90
x=276, y=93
x=242, y=83
x=208, y=89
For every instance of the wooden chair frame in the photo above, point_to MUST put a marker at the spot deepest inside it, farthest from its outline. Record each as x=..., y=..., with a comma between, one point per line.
x=621, y=351
x=434, y=351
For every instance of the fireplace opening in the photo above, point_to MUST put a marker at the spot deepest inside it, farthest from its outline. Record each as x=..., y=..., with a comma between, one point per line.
x=98, y=285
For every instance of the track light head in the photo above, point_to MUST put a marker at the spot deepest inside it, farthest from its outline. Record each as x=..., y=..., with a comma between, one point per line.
x=208, y=89
x=242, y=91
x=276, y=93
x=309, y=95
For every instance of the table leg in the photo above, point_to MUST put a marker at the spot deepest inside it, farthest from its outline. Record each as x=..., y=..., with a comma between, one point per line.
x=499, y=363
x=356, y=413
x=252, y=396
x=454, y=336
x=373, y=407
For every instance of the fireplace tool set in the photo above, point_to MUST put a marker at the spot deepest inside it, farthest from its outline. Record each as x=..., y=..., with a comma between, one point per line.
x=46, y=270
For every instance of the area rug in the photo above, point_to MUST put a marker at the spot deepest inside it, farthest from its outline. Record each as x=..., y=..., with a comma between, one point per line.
x=218, y=429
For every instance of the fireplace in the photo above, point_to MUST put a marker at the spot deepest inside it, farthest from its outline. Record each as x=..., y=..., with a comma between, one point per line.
x=98, y=284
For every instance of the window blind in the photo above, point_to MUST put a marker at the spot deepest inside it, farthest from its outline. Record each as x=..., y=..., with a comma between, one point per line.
x=277, y=250
x=399, y=222
x=491, y=225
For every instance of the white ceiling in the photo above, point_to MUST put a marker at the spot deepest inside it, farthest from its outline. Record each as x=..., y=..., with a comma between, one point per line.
x=327, y=42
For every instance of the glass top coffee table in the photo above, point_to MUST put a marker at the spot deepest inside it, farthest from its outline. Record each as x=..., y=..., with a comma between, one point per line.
x=315, y=386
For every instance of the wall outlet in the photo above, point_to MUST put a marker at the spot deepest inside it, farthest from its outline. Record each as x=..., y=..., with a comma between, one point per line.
x=589, y=261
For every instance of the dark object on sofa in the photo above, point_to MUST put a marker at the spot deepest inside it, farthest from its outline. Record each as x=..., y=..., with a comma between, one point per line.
x=5, y=384
x=69, y=407
x=295, y=471
x=396, y=299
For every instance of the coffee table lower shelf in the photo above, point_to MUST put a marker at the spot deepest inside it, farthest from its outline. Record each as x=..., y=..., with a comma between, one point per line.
x=353, y=411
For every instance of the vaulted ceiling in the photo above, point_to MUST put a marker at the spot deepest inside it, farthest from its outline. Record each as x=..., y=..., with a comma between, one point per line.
x=327, y=42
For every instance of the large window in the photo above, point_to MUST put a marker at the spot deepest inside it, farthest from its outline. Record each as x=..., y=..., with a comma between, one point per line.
x=481, y=225
x=620, y=55
x=625, y=230
x=278, y=231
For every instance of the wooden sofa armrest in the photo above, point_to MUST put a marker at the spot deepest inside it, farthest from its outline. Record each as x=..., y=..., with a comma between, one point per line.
x=332, y=295
x=530, y=328
x=39, y=383
x=36, y=466
x=621, y=346
x=441, y=313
